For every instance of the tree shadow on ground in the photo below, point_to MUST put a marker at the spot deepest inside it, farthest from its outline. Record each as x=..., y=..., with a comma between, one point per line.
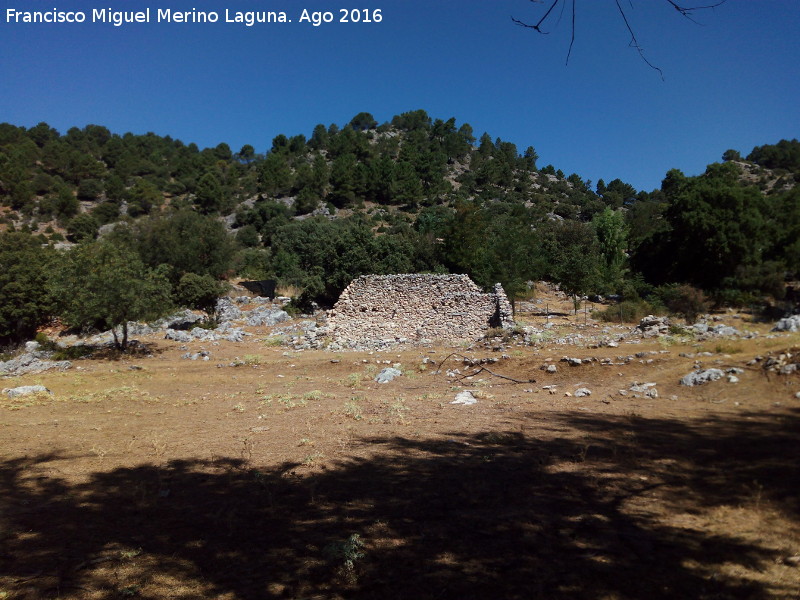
x=494, y=515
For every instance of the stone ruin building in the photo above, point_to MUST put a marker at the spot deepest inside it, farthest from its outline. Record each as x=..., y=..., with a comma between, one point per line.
x=376, y=310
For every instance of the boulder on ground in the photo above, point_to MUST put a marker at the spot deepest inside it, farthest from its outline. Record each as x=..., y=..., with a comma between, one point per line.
x=653, y=326
x=31, y=363
x=465, y=398
x=227, y=310
x=266, y=316
x=387, y=374
x=26, y=390
x=702, y=376
x=788, y=324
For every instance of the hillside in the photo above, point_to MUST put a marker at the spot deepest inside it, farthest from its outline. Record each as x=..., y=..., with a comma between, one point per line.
x=412, y=195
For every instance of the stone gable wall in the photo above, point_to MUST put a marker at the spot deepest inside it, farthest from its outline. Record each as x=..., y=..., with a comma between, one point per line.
x=383, y=309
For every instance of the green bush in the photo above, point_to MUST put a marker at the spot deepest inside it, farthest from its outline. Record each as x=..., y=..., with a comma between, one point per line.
x=72, y=352
x=683, y=300
x=200, y=292
x=628, y=311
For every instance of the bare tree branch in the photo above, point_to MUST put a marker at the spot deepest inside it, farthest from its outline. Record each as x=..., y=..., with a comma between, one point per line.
x=685, y=11
x=572, y=40
x=542, y=20
x=634, y=43
x=479, y=369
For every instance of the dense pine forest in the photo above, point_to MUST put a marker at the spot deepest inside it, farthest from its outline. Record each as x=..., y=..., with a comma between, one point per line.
x=152, y=222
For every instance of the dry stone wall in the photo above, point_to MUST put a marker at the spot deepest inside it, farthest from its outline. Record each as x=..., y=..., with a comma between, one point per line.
x=377, y=310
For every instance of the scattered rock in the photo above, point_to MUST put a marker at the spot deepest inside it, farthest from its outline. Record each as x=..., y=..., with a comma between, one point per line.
x=465, y=398
x=641, y=388
x=724, y=330
x=700, y=377
x=784, y=363
x=652, y=326
x=582, y=392
x=227, y=310
x=265, y=316
x=26, y=390
x=788, y=324
x=177, y=335
x=792, y=561
x=182, y=320
x=31, y=363
x=733, y=379
x=387, y=375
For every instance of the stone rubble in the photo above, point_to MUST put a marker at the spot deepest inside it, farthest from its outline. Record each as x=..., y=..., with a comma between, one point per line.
x=652, y=326
x=382, y=310
x=785, y=363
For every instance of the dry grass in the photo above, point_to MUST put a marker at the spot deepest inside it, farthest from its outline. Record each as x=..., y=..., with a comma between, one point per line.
x=288, y=290
x=183, y=480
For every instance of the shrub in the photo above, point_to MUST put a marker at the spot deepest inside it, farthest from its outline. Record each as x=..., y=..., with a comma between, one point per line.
x=200, y=292
x=628, y=311
x=684, y=300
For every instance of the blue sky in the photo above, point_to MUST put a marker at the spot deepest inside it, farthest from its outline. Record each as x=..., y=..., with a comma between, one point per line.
x=730, y=82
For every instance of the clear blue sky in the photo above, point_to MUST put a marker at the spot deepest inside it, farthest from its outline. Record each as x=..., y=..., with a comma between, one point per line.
x=731, y=82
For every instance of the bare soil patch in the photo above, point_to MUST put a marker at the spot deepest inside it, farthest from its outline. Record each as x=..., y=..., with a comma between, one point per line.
x=295, y=475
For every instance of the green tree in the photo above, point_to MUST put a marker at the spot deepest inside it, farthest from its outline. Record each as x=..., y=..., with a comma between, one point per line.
x=208, y=194
x=363, y=121
x=106, y=284
x=200, y=292
x=714, y=227
x=247, y=154
x=188, y=242
x=82, y=227
x=25, y=301
x=572, y=257
x=90, y=189
x=276, y=175
x=144, y=196
x=612, y=236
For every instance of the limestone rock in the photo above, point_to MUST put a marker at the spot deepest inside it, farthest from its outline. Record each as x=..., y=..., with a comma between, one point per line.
x=26, y=390
x=265, y=316
x=227, y=310
x=788, y=324
x=387, y=375
x=652, y=326
x=177, y=336
x=465, y=398
x=31, y=363
x=702, y=376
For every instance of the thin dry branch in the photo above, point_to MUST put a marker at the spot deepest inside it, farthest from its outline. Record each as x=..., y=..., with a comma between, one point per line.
x=542, y=20
x=480, y=370
x=492, y=373
x=634, y=43
x=686, y=11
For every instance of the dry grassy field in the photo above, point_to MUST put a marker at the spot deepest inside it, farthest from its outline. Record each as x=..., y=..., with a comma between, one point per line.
x=296, y=475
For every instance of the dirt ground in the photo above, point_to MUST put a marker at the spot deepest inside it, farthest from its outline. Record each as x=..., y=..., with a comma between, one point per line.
x=295, y=475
